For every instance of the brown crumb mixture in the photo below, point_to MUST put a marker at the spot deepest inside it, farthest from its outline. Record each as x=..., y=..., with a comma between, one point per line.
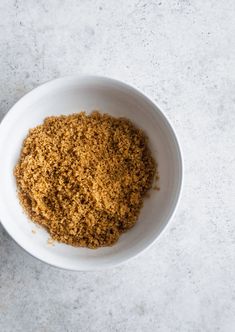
x=83, y=177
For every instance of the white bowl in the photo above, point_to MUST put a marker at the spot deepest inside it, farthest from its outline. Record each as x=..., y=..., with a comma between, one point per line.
x=74, y=94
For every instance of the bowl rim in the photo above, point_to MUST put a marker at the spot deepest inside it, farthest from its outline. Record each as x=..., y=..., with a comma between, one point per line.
x=178, y=194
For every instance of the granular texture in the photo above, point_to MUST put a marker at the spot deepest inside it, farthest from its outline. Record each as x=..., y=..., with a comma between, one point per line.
x=84, y=177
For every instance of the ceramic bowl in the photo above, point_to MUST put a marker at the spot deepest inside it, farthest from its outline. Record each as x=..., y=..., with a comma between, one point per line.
x=74, y=94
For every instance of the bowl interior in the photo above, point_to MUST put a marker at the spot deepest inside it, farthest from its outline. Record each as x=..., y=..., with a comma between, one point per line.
x=66, y=96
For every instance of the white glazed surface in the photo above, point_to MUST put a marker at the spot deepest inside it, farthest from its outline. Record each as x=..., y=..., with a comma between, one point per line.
x=66, y=96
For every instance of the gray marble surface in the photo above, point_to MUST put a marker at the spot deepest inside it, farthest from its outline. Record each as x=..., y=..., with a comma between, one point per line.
x=182, y=54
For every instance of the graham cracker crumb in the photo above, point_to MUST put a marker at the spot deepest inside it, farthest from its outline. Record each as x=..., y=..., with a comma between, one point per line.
x=84, y=177
x=51, y=242
x=156, y=185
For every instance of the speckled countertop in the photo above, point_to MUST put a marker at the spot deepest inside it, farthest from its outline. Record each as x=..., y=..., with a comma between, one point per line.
x=182, y=54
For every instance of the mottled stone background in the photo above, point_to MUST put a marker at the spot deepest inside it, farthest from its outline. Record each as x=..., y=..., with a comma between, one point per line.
x=182, y=54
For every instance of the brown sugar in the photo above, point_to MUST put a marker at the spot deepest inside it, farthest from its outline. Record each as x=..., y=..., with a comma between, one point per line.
x=84, y=177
